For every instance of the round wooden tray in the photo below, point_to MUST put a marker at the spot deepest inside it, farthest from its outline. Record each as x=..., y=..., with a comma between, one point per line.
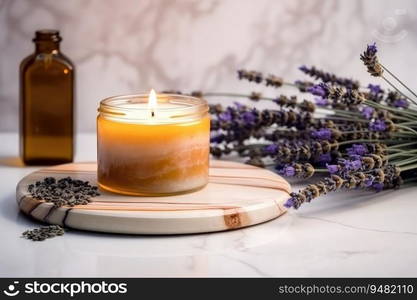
x=237, y=195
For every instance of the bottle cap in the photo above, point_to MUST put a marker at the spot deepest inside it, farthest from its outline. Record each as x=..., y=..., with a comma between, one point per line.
x=47, y=35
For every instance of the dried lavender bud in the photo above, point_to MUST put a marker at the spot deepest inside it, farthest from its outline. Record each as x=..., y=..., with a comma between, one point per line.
x=243, y=122
x=175, y=92
x=353, y=97
x=321, y=90
x=339, y=97
x=335, y=182
x=220, y=150
x=329, y=77
x=375, y=94
x=216, y=108
x=357, y=149
x=285, y=101
x=383, y=114
x=377, y=148
x=395, y=99
x=65, y=191
x=307, y=106
x=303, y=86
x=303, y=171
x=250, y=75
x=44, y=232
x=368, y=112
x=257, y=77
x=298, y=151
x=375, y=89
x=392, y=177
x=256, y=161
x=322, y=102
x=359, y=131
x=356, y=163
x=370, y=60
x=216, y=151
x=254, y=96
x=197, y=94
x=326, y=134
x=382, y=125
x=274, y=81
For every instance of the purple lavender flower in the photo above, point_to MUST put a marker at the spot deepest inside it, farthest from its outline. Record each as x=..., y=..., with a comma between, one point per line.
x=322, y=134
x=217, y=139
x=304, y=68
x=325, y=158
x=378, y=125
x=369, y=181
x=238, y=105
x=351, y=151
x=330, y=78
x=320, y=101
x=367, y=112
x=298, y=82
x=355, y=157
x=225, y=116
x=371, y=50
x=303, y=86
x=355, y=164
x=401, y=103
x=318, y=90
x=378, y=187
x=271, y=149
x=375, y=89
x=370, y=60
x=357, y=149
x=248, y=117
x=290, y=203
x=288, y=171
x=360, y=149
x=332, y=168
x=347, y=165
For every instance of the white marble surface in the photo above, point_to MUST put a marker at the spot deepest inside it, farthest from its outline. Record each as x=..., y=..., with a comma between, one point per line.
x=130, y=46
x=344, y=234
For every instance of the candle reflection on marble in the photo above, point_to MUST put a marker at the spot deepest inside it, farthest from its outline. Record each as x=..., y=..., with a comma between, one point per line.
x=153, y=145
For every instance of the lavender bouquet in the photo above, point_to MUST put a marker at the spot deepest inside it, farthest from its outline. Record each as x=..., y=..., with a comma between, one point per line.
x=360, y=137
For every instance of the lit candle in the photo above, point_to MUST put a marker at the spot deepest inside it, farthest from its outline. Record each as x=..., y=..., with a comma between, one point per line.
x=153, y=145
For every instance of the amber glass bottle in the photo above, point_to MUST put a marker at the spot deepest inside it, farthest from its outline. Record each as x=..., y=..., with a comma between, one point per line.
x=46, y=103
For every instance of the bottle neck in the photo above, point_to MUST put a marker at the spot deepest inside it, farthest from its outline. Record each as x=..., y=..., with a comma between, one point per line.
x=47, y=47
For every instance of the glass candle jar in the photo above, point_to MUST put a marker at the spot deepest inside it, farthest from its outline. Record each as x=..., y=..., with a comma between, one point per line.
x=153, y=145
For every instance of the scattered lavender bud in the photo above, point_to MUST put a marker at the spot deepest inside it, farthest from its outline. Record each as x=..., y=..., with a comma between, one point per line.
x=65, y=191
x=43, y=233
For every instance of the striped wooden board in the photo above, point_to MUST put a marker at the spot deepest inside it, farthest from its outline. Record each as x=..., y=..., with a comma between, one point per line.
x=237, y=195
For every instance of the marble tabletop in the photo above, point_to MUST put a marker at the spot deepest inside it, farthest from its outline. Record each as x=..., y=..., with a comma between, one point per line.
x=343, y=234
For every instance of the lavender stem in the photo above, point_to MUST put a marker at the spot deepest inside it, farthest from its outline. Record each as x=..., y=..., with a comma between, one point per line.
x=409, y=167
x=393, y=86
x=400, y=81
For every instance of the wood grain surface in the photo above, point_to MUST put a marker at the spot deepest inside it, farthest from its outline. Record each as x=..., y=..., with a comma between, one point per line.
x=237, y=195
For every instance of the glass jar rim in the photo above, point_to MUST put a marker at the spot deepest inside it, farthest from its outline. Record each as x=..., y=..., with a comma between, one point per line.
x=187, y=107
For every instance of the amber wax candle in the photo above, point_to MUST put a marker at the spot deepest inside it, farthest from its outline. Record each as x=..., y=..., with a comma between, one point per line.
x=152, y=145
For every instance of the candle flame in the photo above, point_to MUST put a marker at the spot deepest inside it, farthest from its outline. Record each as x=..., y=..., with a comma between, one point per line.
x=152, y=102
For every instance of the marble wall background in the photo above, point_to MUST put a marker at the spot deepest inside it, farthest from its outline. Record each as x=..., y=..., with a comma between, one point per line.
x=128, y=46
